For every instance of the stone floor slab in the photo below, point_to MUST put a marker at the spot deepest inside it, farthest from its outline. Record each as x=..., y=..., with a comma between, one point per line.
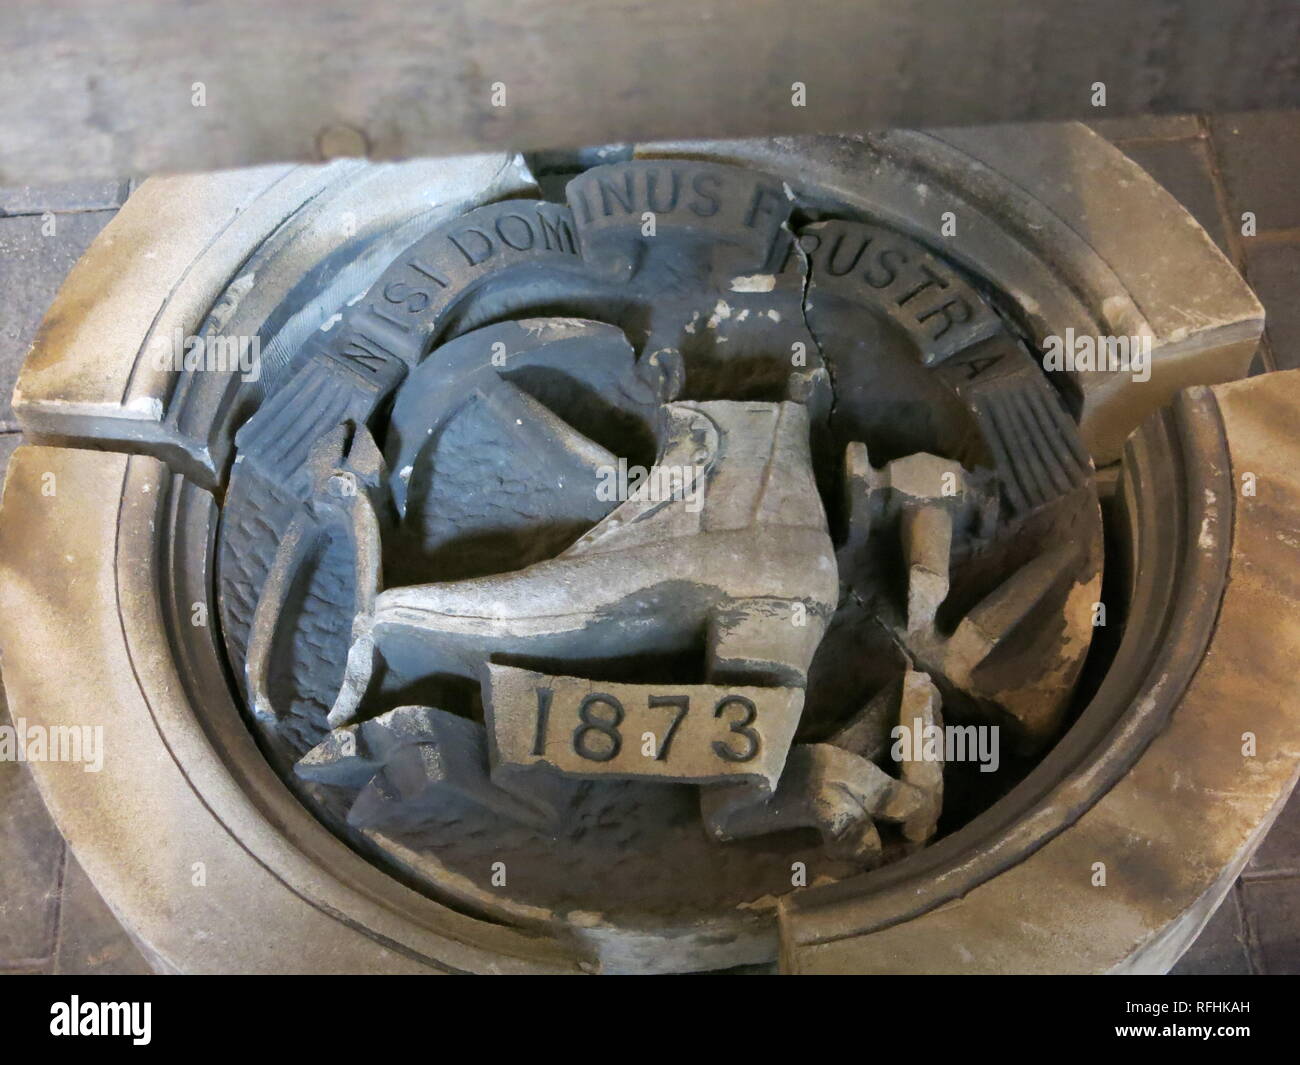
x=1222, y=948
x=1273, y=917
x=1279, y=854
x=35, y=255
x=1259, y=157
x=63, y=198
x=91, y=942
x=1273, y=269
x=31, y=867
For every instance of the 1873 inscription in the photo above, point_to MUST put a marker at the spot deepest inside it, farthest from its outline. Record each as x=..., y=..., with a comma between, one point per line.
x=687, y=732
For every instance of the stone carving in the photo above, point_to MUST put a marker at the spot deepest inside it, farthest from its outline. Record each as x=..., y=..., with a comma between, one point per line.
x=837, y=789
x=638, y=529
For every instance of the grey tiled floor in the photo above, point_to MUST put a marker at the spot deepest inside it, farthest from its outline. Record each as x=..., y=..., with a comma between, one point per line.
x=51, y=919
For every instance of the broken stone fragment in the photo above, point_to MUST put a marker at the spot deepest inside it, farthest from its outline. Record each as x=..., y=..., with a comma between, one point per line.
x=919, y=712
x=932, y=499
x=929, y=496
x=344, y=495
x=349, y=756
x=841, y=793
x=413, y=761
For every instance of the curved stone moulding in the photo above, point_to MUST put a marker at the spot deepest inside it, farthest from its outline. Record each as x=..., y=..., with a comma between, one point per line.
x=184, y=785
x=1036, y=214
x=177, y=790
x=199, y=253
x=1180, y=822
x=1067, y=259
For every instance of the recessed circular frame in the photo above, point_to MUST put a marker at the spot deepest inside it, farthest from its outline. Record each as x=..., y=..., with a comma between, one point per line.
x=143, y=458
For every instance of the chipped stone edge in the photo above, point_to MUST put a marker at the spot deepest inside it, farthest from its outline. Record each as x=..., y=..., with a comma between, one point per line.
x=172, y=252
x=1176, y=830
x=1035, y=245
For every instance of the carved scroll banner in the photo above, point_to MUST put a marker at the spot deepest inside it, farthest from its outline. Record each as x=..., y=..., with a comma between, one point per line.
x=690, y=733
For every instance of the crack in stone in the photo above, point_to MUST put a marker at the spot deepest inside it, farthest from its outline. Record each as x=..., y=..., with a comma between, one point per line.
x=806, y=261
